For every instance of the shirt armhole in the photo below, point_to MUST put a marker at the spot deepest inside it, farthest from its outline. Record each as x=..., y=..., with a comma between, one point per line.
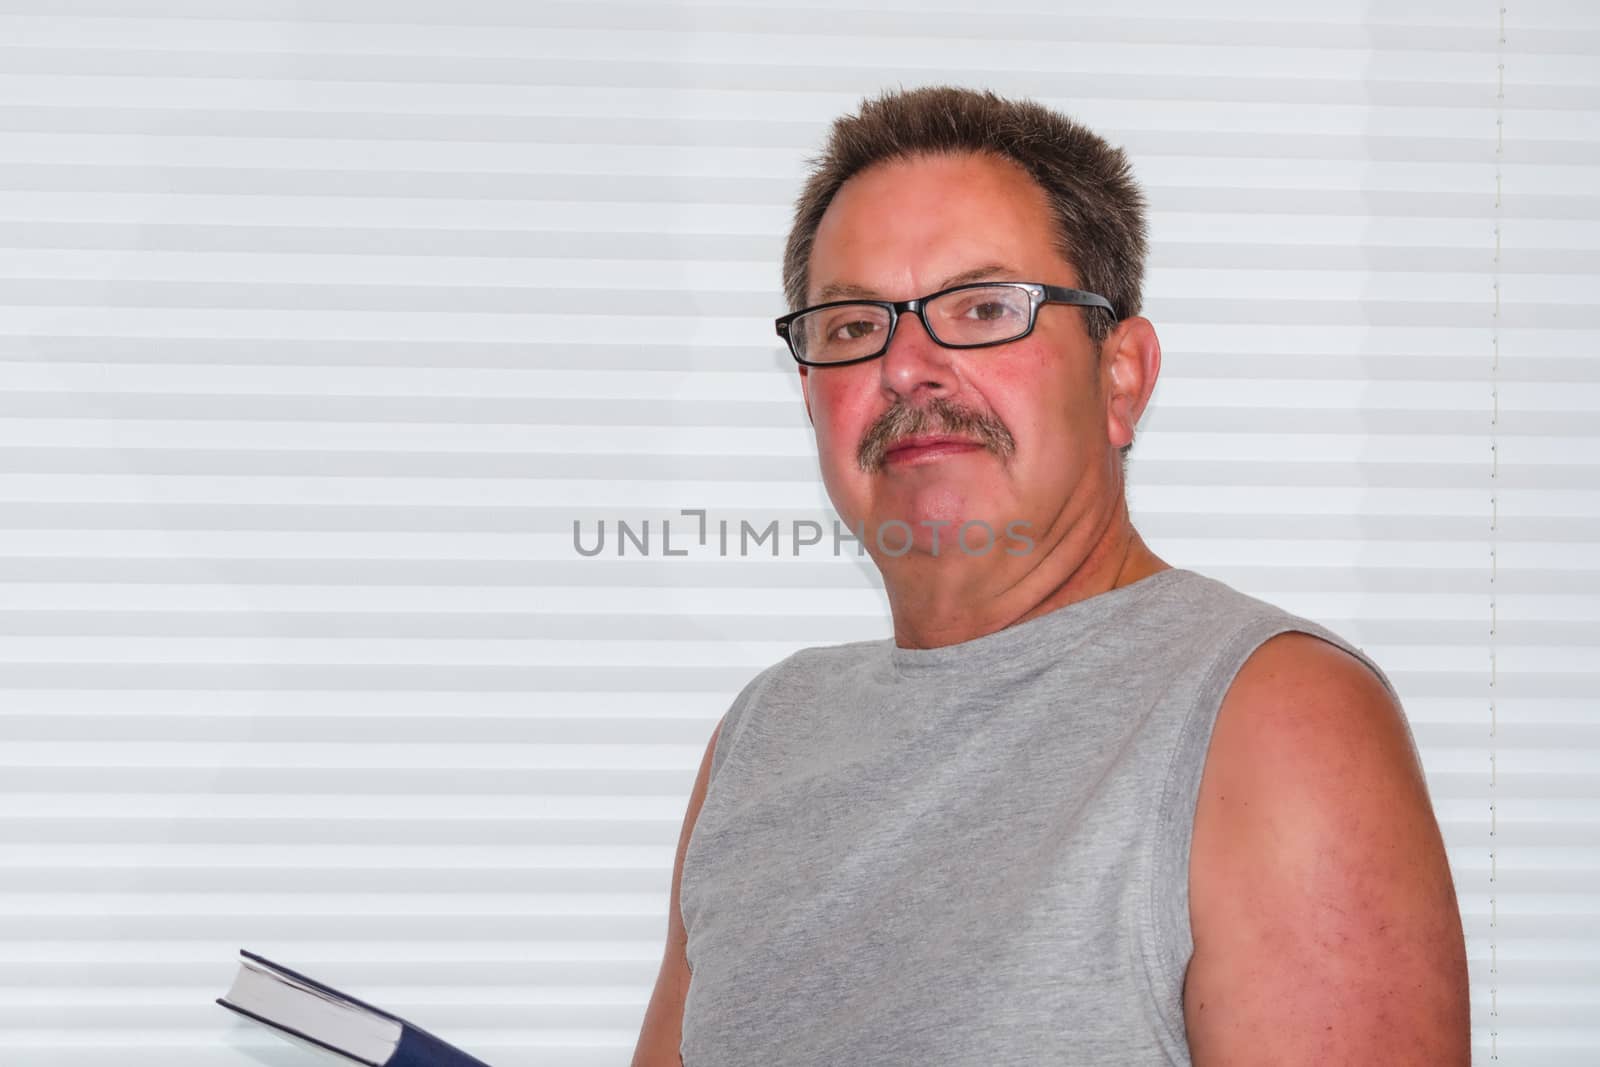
x=1171, y=940
x=732, y=726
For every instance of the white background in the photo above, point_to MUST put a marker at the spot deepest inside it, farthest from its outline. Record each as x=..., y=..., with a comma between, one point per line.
x=320, y=325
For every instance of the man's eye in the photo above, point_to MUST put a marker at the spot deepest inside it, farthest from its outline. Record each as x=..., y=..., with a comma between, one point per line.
x=989, y=310
x=853, y=331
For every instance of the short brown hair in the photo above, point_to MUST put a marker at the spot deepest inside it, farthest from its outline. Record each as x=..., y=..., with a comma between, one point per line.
x=1098, y=207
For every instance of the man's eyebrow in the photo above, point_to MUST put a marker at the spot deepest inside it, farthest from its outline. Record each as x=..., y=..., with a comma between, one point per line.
x=847, y=291
x=978, y=274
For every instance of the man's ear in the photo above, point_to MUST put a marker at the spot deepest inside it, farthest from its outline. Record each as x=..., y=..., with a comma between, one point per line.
x=1130, y=364
x=805, y=394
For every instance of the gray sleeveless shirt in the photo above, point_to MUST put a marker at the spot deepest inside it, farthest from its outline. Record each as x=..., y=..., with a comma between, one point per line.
x=975, y=854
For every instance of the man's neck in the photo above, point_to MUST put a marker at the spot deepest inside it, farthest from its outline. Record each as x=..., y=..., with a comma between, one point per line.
x=932, y=614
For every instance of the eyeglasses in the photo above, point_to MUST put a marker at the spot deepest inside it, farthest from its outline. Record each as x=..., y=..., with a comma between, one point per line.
x=964, y=316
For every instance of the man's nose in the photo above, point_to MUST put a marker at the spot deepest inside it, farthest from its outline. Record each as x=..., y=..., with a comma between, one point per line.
x=914, y=362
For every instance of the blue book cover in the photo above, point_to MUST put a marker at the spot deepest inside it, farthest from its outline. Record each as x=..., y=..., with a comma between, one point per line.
x=272, y=994
x=418, y=1048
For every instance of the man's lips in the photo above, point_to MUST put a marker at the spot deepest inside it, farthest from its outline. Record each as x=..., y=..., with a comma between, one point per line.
x=929, y=447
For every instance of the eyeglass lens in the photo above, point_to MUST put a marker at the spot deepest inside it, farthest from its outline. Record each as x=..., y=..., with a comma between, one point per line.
x=982, y=316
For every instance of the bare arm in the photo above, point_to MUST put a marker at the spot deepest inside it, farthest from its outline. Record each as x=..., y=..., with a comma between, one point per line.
x=663, y=1018
x=1325, y=923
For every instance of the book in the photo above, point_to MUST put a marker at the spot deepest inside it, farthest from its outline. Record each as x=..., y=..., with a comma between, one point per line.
x=321, y=1018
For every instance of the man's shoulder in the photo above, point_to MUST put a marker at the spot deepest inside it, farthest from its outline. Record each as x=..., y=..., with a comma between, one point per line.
x=1308, y=745
x=824, y=659
x=793, y=676
x=1303, y=713
x=1203, y=612
x=1315, y=852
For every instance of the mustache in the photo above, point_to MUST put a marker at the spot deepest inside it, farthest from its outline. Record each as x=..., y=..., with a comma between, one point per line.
x=937, y=416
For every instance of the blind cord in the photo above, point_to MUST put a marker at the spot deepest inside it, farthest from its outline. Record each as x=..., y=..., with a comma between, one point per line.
x=1494, y=517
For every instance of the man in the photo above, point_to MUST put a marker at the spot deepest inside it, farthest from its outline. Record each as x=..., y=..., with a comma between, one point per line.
x=1083, y=807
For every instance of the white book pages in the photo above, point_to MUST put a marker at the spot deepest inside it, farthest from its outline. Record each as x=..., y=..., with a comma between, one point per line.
x=316, y=1013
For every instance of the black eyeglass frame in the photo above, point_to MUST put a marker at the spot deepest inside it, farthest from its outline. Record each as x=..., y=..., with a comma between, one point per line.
x=1038, y=295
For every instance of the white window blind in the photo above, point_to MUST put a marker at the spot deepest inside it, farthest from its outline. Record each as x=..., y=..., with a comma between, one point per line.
x=321, y=324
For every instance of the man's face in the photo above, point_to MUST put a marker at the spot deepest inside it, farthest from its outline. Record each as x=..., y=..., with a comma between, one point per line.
x=906, y=229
